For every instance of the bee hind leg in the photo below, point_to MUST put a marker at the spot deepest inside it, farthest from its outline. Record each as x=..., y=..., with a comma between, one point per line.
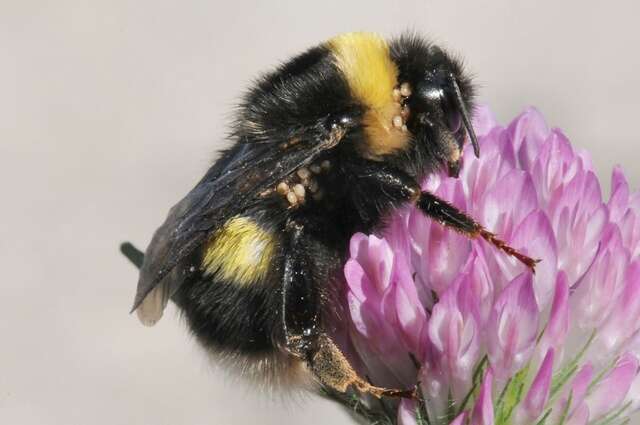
x=303, y=334
x=332, y=368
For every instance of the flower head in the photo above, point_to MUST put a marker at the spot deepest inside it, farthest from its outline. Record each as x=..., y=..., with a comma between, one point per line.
x=488, y=341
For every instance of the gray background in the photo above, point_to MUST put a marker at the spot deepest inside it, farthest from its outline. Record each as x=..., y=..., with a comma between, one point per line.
x=111, y=110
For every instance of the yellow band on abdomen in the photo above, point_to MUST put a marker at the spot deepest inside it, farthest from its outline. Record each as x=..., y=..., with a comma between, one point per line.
x=241, y=252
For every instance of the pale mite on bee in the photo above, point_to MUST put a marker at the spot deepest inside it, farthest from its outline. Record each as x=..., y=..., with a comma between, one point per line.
x=294, y=190
x=326, y=145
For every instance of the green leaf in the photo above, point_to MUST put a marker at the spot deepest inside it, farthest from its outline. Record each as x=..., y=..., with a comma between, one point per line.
x=478, y=375
x=567, y=372
x=451, y=407
x=565, y=409
x=510, y=397
x=543, y=419
x=422, y=418
x=594, y=383
x=359, y=411
x=614, y=415
x=422, y=415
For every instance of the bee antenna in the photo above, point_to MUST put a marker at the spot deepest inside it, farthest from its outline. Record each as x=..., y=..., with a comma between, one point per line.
x=465, y=116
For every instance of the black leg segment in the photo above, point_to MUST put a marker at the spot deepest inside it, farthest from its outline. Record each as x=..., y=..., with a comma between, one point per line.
x=379, y=188
x=300, y=296
x=301, y=310
x=450, y=216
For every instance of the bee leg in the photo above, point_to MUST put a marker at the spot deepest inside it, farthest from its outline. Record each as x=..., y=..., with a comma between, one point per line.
x=300, y=297
x=450, y=216
x=392, y=187
x=303, y=334
x=332, y=368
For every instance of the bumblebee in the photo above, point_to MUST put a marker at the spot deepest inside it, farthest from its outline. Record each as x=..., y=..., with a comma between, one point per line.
x=326, y=145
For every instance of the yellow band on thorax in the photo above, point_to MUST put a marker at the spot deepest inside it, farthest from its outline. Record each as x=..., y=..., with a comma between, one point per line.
x=365, y=61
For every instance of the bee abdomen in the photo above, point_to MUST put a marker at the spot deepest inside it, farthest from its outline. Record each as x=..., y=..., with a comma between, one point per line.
x=229, y=317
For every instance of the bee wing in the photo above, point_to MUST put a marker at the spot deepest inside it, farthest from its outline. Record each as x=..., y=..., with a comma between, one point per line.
x=231, y=186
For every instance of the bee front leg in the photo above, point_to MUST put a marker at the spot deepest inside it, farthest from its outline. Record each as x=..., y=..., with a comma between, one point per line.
x=303, y=333
x=450, y=216
x=390, y=187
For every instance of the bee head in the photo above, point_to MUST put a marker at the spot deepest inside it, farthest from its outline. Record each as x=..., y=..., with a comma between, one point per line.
x=440, y=101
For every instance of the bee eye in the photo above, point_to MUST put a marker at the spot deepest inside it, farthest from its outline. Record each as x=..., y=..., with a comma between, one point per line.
x=454, y=121
x=451, y=114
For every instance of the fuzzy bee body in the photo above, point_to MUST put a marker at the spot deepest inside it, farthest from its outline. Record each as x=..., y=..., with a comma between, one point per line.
x=326, y=145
